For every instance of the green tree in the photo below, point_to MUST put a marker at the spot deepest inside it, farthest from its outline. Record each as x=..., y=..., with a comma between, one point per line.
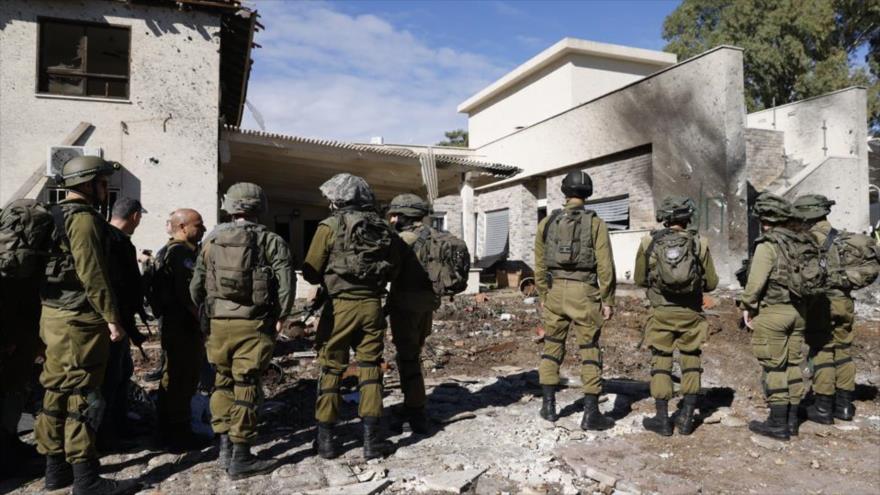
x=794, y=49
x=457, y=138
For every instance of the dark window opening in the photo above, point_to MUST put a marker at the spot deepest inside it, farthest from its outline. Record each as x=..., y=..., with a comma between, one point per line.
x=282, y=227
x=438, y=221
x=56, y=195
x=82, y=59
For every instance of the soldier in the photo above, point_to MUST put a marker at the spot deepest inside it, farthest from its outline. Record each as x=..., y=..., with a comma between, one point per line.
x=675, y=266
x=574, y=272
x=244, y=275
x=829, y=328
x=412, y=302
x=774, y=314
x=80, y=318
x=354, y=253
x=182, y=340
x=125, y=281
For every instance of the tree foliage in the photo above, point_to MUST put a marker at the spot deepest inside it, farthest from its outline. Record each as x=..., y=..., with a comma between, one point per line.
x=456, y=138
x=794, y=49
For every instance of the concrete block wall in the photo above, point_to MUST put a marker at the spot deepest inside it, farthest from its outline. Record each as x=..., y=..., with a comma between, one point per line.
x=623, y=173
x=451, y=205
x=765, y=157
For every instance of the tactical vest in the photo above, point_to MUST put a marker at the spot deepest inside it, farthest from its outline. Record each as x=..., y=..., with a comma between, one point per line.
x=62, y=288
x=359, y=260
x=239, y=283
x=569, y=248
x=799, y=271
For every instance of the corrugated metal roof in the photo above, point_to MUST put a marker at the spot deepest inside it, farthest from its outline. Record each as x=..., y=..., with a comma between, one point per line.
x=496, y=169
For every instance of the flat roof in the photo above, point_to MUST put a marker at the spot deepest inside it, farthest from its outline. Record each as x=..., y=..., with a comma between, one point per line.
x=564, y=47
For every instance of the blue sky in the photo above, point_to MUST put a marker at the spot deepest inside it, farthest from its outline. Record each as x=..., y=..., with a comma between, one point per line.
x=356, y=69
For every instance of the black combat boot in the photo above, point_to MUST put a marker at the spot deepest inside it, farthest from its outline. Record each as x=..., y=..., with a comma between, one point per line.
x=225, y=455
x=593, y=419
x=776, y=425
x=660, y=423
x=685, y=419
x=417, y=419
x=87, y=482
x=821, y=410
x=844, y=409
x=794, y=420
x=59, y=474
x=548, y=406
x=244, y=464
x=325, y=443
x=375, y=444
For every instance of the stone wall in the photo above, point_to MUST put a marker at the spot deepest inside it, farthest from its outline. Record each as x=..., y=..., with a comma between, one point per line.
x=765, y=157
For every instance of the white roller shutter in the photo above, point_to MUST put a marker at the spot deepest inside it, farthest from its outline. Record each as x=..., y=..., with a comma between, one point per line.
x=497, y=228
x=614, y=211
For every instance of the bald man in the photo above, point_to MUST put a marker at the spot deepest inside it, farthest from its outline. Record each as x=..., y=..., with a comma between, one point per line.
x=182, y=340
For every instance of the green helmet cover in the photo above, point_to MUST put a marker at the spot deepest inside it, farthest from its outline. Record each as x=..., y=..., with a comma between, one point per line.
x=245, y=198
x=812, y=206
x=409, y=205
x=82, y=169
x=675, y=209
x=772, y=208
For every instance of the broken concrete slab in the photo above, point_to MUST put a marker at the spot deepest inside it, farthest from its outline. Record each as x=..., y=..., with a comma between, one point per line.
x=368, y=488
x=453, y=482
x=768, y=443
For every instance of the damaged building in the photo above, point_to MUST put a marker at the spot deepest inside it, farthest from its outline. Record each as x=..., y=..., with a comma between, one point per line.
x=160, y=86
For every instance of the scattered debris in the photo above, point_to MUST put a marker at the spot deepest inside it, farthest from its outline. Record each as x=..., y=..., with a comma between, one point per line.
x=767, y=443
x=369, y=488
x=453, y=482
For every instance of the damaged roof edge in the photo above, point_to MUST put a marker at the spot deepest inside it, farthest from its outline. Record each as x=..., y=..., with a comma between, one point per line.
x=495, y=169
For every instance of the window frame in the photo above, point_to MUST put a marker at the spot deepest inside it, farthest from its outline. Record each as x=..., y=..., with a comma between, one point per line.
x=85, y=75
x=58, y=194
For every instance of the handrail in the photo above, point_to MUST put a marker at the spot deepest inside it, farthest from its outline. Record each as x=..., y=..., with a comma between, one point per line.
x=806, y=172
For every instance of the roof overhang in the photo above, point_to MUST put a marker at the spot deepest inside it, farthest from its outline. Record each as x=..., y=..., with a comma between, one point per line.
x=564, y=48
x=291, y=168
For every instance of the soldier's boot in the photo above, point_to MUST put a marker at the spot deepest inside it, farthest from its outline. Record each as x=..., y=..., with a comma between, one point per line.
x=685, y=419
x=59, y=474
x=794, y=420
x=660, y=423
x=548, y=404
x=593, y=419
x=776, y=425
x=245, y=464
x=87, y=482
x=418, y=420
x=821, y=410
x=843, y=405
x=325, y=443
x=225, y=455
x=375, y=445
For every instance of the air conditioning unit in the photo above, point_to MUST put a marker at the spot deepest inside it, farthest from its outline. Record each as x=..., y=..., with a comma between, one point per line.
x=59, y=155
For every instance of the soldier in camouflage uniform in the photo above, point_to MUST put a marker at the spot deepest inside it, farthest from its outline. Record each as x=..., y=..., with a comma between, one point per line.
x=244, y=276
x=412, y=302
x=574, y=272
x=677, y=319
x=80, y=317
x=829, y=330
x=776, y=319
x=353, y=318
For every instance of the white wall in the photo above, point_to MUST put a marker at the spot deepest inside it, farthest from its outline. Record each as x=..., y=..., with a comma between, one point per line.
x=175, y=67
x=625, y=245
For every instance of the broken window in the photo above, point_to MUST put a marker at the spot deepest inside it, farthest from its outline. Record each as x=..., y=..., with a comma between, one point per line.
x=614, y=211
x=80, y=59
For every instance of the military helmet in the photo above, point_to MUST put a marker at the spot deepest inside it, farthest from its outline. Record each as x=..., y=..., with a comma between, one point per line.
x=245, y=198
x=676, y=209
x=82, y=169
x=812, y=206
x=409, y=205
x=348, y=190
x=577, y=184
x=772, y=208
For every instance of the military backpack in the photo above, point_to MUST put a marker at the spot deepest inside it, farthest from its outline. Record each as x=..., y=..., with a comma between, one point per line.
x=568, y=244
x=446, y=260
x=361, y=251
x=853, y=260
x=674, y=261
x=155, y=282
x=26, y=228
x=238, y=277
x=801, y=266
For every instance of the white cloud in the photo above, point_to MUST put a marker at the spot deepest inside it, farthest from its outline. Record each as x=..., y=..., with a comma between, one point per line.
x=324, y=73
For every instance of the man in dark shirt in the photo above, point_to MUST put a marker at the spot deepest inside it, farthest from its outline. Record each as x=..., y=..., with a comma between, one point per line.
x=182, y=339
x=125, y=281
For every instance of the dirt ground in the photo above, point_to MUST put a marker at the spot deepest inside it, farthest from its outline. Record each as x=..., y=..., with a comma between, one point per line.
x=480, y=367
